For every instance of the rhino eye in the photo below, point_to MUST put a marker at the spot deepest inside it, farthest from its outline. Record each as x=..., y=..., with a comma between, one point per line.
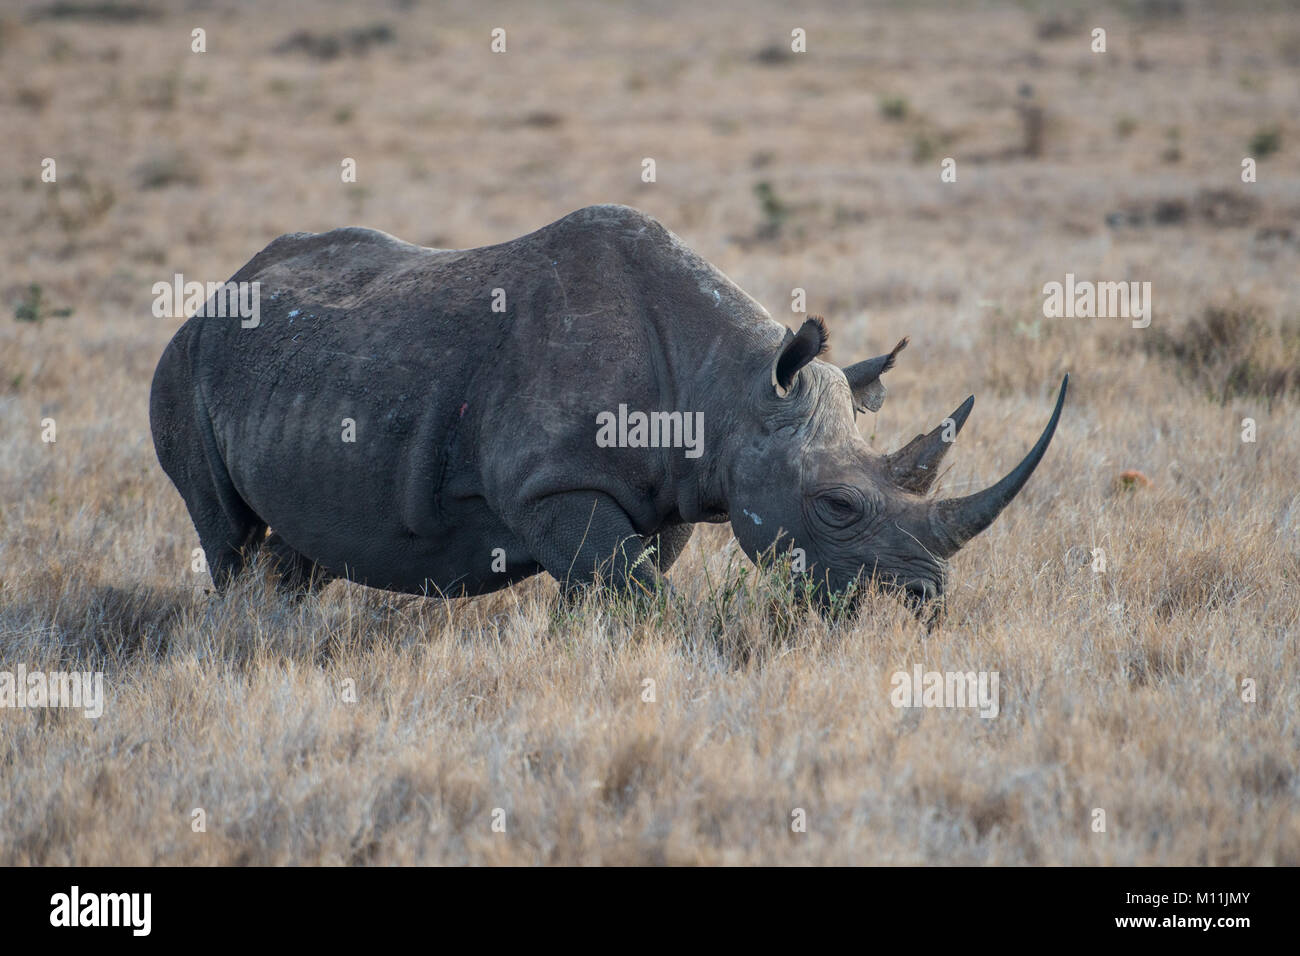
x=839, y=506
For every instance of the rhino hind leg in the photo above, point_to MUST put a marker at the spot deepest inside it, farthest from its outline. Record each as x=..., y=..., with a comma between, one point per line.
x=298, y=574
x=228, y=529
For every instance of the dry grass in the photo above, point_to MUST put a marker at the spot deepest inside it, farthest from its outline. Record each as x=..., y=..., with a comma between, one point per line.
x=1120, y=690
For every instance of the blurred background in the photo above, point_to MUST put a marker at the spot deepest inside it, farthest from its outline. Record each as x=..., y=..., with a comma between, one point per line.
x=818, y=170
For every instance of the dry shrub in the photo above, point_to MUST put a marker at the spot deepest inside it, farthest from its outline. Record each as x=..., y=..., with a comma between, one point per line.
x=356, y=41
x=1202, y=581
x=635, y=765
x=1159, y=656
x=1233, y=351
x=106, y=11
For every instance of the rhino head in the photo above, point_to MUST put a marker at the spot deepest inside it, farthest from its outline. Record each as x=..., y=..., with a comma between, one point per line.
x=804, y=478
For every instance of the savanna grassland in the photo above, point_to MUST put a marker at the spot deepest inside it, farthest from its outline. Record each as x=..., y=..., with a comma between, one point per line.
x=1121, y=689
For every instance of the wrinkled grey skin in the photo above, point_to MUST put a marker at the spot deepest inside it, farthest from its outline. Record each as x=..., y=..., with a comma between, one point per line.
x=476, y=430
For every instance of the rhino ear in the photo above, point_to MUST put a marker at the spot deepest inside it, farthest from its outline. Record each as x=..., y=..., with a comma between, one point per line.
x=798, y=349
x=864, y=379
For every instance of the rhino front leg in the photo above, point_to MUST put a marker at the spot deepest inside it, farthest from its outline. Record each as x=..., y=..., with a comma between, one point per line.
x=582, y=537
x=669, y=544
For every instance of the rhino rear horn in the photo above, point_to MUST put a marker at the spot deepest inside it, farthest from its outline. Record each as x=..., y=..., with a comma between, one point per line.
x=915, y=466
x=798, y=349
x=864, y=378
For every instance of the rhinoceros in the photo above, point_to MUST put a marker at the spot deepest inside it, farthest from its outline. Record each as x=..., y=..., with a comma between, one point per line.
x=429, y=421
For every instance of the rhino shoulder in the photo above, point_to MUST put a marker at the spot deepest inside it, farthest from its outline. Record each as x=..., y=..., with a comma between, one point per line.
x=647, y=242
x=608, y=223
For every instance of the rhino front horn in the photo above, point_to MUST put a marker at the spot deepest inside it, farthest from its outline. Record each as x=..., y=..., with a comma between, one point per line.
x=955, y=521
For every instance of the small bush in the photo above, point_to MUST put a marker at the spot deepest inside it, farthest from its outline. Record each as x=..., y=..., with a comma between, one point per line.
x=893, y=108
x=35, y=309
x=774, y=211
x=167, y=169
x=1233, y=351
x=1265, y=142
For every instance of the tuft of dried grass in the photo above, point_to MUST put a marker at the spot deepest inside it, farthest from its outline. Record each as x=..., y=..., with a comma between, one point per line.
x=1234, y=351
